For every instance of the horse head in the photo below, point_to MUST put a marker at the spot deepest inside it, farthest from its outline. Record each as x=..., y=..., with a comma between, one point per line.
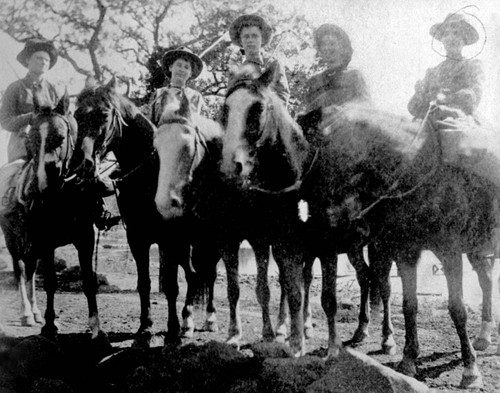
x=263, y=147
x=50, y=142
x=185, y=145
x=100, y=120
x=175, y=104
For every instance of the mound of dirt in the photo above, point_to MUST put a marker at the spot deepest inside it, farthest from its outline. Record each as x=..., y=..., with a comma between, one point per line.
x=76, y=364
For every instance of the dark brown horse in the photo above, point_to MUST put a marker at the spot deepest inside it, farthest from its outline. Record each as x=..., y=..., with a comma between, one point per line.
x=263, y=158
x=388, y=179
x=48, y=212
x=109, y=122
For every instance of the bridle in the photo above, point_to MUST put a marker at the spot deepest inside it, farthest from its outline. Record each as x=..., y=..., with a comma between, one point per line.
x=198, y=141
x=249, y=84
x=70, y=146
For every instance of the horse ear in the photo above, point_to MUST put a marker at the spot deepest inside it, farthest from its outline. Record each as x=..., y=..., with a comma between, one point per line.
x=112, y=84
x=268, y=76
x=62, y=106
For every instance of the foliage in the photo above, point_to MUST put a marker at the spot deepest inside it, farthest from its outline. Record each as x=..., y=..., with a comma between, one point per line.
x=100, y=38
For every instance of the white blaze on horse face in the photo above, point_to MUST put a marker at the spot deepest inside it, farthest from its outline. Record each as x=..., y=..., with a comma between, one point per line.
x=41, y=174
x=175, y=147
x=235, y=151
x=172, y=100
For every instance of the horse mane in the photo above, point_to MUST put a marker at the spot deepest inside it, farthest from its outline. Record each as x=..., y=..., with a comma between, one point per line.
x=280, y=124
x=404, y=135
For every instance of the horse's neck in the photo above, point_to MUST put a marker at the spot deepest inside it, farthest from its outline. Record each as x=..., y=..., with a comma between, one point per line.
x=135, y=145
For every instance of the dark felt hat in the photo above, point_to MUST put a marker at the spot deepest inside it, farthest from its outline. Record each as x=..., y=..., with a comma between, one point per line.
x=37, y=45
x=463, y=22
x=250, y=20
x=345, y=41
x=182, y=53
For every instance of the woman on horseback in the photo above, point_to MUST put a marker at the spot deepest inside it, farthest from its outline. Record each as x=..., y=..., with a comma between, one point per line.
x=17, y=110
x=251, y=33
x=338, y=84
x=457, y=81
x=181, y=65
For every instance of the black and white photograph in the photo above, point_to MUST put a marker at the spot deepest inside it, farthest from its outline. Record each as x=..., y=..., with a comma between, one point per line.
x=249, y=197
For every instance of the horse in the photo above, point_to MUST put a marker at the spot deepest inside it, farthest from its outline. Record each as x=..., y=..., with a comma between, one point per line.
x=48, y=212
x=109, y=122
x=188, y=147
x=264, y=156
x=390, y=181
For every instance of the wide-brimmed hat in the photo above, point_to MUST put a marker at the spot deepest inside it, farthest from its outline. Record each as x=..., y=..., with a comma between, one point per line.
x=331, y=29
x=250, y=20
x=182, y=53
x=37, y=45
x=464, y=22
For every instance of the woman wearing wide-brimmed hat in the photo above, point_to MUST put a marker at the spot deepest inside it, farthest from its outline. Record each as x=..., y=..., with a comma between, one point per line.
x=252, y=33
x=16, y=112
x=457, y=81
x=338, y=84
x=181, y=65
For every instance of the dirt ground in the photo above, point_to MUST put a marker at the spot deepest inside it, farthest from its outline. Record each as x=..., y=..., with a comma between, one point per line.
x=440, y=366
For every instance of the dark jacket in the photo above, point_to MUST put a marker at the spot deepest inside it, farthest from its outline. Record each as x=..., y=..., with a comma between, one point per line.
x=460, y=81
x=17, y=110
x=335, y=87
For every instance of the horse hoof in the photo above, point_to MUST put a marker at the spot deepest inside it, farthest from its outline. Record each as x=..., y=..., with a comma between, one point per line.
x=407, y=368
x=49, y=332
x=389, y=346
x=28, y=321
x=481, y=344
x=471, y=382
x=39, y=319
x=389, y=349
x=359, y=336
x=211, y=326
x=308, y=332
x=142, y=339
x=187, y=332
x=234, y=342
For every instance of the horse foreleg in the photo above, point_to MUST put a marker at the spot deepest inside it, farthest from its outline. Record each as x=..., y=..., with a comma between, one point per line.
x=289, y=256
x=262, y=288
x=329, y=298
x=363, y=274
x=175, y=254
x=408, y=271
x=31, y=287
x=205, y=256
x=308, y=277
x=140, y=252
x=380, y=267
x=452, y=265
x=484, y=269
x=230, y=257
x=85, y=247
x=50, y=285
x=23, y=285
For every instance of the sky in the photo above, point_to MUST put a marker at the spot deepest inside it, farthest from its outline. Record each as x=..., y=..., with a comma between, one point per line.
x=391, y=41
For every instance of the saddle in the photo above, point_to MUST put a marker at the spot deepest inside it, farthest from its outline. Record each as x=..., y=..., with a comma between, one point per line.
x=15, y=184
x=470, y=145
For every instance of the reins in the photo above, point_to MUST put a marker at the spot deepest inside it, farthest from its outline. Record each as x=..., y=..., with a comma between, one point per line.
x=395, y=184
x=295, y=186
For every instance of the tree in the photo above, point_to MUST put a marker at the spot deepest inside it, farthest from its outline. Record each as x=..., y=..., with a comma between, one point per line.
x=100, y=38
